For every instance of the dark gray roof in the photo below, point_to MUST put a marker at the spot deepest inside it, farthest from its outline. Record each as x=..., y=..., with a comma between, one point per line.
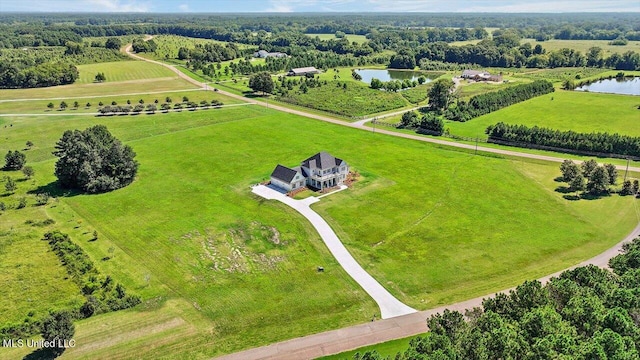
x=322, y=160
x=283, y=173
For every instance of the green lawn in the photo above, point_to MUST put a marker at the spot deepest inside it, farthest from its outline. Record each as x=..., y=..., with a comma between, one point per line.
x=228, y=271
x=563, y=110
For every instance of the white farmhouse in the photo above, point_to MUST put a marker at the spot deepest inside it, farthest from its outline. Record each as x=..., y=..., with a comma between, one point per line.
x=320, y=171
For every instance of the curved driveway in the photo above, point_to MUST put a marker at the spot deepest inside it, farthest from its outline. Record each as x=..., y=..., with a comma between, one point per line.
x=389, y=305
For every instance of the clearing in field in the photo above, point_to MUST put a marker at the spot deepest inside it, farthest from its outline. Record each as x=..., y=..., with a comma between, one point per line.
x=351, y=37
x=431, y=232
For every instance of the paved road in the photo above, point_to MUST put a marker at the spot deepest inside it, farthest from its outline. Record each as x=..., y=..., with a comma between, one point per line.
x=389, y=306
x=353, y=337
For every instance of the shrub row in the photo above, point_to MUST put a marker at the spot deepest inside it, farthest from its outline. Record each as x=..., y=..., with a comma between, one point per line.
x=489, y=102
x=102, y=293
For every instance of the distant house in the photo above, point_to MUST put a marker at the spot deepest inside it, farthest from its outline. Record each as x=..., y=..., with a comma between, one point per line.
x=320, y=171
x=480, y=76
x=263, y=54
x=303, y=71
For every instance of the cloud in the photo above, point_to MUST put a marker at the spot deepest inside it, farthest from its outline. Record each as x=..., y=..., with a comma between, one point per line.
x=117, y=5
x=78, y=5
x=184, y=7
x=503, y=6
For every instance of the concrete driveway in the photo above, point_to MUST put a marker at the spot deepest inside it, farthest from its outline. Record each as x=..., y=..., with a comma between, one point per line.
x=389, y=305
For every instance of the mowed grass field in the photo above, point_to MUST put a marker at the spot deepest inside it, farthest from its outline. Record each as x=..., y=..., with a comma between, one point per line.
x=563, y=110
x=122, y=77
x=584, y=45
x=123, y=71
x=40, y=106
x=579, y=45
x=431, y=232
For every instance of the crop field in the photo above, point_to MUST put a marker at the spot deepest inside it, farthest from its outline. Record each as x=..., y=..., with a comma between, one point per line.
x=190, y=210
x=351, y=37
x=123, y=71
x=563, y=110
x=40, y=106
x=356, y=100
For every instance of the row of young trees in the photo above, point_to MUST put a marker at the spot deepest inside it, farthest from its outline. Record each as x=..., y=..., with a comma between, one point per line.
x=485, y=103
x=395, y=85
x=605, y=143
x=585, y=313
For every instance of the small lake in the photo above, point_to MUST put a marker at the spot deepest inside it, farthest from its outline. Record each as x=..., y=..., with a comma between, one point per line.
x=625, y=86
x=388, y=75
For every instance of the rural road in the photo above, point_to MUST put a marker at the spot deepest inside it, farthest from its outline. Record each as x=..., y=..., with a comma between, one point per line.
x=360, y=124
x=389, y=306
x=336, y=341
x=353, y=337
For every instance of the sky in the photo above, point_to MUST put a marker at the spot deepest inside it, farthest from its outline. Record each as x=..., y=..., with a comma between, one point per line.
x=289, y=6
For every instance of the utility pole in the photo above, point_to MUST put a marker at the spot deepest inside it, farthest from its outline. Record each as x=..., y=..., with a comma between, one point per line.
x=476, y=153
x=627, y=170
x=374, y=124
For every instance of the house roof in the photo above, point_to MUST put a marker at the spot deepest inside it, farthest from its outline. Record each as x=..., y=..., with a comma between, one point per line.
x=474, y=73
x=284, y=173
x=304, y=70
x=322, y=160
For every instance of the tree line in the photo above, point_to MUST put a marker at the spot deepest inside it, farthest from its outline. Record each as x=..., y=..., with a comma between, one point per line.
x=485, y=103
x=585, y=313
x=615, y=144
x=508, y=52
x=47, y=74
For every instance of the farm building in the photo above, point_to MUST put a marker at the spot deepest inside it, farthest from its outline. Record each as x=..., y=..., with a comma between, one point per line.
x=480, y=76
x=320, y=171
x=263, y=54
x=303, y=71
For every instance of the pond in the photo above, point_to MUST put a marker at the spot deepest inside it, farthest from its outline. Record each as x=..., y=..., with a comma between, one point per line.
x=388, y=75
x=625, y=86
